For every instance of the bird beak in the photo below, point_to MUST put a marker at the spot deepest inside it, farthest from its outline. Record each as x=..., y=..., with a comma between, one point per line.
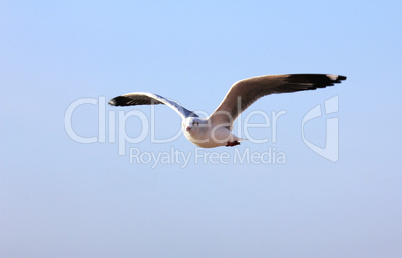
x=188, y=128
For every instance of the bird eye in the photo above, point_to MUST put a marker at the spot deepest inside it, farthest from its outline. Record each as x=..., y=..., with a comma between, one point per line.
x=196, y=123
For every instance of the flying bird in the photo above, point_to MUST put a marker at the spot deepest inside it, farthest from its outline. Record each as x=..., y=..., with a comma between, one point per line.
x=216, y=130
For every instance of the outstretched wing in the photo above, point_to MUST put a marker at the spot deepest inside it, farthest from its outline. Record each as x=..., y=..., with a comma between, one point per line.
x=245, y=92
x=145, y=98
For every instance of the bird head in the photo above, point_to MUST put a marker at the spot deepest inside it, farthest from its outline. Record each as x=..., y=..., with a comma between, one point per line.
x=191, y=124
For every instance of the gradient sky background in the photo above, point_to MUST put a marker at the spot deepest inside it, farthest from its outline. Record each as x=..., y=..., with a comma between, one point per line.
x=66, y=199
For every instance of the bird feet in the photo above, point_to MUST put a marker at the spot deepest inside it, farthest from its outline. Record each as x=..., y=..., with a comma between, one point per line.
x=231, y=144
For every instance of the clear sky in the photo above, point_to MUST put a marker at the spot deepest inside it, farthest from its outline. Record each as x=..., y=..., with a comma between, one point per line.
x=62, y=198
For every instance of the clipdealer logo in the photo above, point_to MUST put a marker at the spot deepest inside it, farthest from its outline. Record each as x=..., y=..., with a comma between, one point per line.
x=331, y=149
x=107, y=121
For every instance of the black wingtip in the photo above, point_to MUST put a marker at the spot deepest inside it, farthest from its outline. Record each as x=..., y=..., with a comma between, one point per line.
x=341, y=77
x=112, y=102
x=324, y=79
x=338, y=79
x=120, y=101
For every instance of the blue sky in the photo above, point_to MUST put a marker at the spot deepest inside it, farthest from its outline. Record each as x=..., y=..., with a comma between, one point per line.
x=63, y=198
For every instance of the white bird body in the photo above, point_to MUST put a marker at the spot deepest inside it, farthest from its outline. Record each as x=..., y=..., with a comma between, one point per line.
x=201, y=132
x=216, y=130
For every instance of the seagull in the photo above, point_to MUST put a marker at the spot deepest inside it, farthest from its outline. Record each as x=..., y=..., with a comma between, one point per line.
x=216, y=130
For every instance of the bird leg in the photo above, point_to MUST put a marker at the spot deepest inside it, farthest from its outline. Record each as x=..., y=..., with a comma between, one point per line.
x=231, y=144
